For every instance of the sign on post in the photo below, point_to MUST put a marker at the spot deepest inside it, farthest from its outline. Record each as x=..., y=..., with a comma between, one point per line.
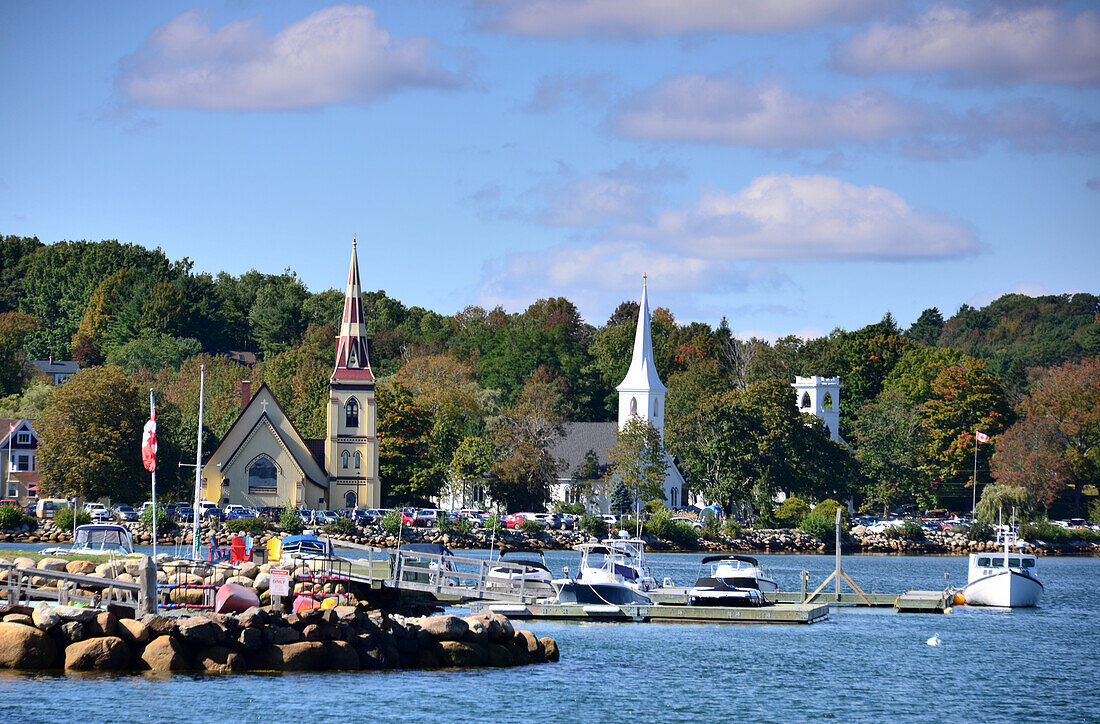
x=280, y=582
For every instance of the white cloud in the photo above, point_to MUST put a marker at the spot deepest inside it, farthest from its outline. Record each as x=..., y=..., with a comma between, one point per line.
x=336, y=55
x=729, y=111
x=621, y=194
x=1006, y=45
x=556, y=91
x=646, y=18
x=809, y=218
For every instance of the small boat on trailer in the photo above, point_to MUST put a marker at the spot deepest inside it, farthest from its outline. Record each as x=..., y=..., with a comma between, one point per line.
x=100, y=539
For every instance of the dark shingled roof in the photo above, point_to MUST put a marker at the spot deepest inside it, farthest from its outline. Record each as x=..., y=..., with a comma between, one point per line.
x=579, y=438
x=317, y=450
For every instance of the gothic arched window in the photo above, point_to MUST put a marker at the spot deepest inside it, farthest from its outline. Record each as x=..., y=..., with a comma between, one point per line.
x=349, y=499
x=673, y=494
x=344, y=457
x=262, y=475
x=633, y=405
x=358, y=460
x=656, y=408
x=827, y=402
x=805, y=399
x=351, y=414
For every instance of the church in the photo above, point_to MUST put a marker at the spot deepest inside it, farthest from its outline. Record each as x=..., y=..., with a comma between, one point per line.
x=264, y=461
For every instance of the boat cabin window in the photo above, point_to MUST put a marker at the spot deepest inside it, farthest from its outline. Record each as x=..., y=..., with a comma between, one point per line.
x=1028, y=562
x=983, y=562
x=1013, y=562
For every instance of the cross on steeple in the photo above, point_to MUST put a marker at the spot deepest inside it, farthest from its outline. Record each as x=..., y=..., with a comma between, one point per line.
x=263, y=404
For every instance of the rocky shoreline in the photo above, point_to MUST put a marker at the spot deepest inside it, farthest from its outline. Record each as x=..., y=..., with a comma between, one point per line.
x=750, y=540
x=344, y=638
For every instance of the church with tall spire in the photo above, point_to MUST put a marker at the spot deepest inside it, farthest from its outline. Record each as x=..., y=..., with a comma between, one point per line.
x=264, y=461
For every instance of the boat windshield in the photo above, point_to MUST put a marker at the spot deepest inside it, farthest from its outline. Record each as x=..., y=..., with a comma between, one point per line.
x=99, y=538
x=1013, y=562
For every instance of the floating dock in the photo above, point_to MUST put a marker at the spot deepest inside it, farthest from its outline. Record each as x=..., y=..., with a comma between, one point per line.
x=910, y=602
x=785, y=613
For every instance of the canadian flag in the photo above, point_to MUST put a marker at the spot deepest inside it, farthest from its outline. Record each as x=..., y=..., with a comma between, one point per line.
x=982, y=437
x=149, y=444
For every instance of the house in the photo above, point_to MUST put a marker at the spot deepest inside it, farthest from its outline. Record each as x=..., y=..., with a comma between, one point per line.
x=264, y=460
x=57, y=371
x=19, y=473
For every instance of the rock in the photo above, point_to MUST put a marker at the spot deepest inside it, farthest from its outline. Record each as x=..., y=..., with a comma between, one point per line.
x=519, y=654
x=461, y=654
x=281, y=635
x=76, y=613
x=301, y=656
x=528, y=639
x=252, y=617
x=18, y=618
x=109, y=653
x=241, y=581
x=248, y=569
x=498, y=655
x=550, y=648
x=500, y=628
x=478, y=633
x=26, y=647
x=104, y=624
x=185, y=579
x=160, y=625
x=340, y=656
x=251, y=639
x=201, y=631
x=313, y=632
x=24, y=562
x=133, y=632
x=52, y=564
x=84, y=568
x=445, y=628
x=219, y=660
x=44, y=616
x=262, y=581
x=109, y=569
x=165, y=653
x=68, y=632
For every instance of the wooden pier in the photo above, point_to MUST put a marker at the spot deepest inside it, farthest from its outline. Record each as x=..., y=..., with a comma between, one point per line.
x=783, y=613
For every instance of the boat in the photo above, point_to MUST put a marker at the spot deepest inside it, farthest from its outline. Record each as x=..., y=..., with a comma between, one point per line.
x=305, y=546
x=1006, y=579
x=521, y=569
x=731, y=580
x=235, y=598
x=613, y=572
x=104, y=539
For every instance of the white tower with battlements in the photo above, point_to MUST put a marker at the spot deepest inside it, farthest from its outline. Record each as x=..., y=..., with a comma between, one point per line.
x=820, y=396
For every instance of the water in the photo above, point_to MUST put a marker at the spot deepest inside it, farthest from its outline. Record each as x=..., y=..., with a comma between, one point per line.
x=1022, y=665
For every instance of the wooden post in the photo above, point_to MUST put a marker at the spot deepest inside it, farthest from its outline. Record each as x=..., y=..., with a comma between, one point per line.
x=838, y=554
x=805, y=576
x=147, y=577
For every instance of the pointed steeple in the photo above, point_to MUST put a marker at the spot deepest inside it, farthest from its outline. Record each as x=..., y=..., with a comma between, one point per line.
x=352, y=359
x=642, y=375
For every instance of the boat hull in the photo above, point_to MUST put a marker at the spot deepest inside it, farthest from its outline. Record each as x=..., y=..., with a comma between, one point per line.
x=725, y=597
x=599, y=593
x=235, y=598
x=1004, y=589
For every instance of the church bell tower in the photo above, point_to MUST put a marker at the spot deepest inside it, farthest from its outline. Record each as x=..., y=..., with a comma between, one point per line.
x=351, y=445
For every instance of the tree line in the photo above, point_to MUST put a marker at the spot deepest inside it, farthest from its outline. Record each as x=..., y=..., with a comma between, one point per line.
x=484, y=394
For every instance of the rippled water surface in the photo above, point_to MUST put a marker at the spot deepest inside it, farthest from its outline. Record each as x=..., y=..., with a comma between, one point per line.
x=1023, y=665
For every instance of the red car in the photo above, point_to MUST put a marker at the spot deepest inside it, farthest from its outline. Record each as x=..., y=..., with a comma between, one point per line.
x=512, y=521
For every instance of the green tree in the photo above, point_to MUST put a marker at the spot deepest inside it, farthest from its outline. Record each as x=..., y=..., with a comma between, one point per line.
x=15, y=253
x=890, y=446
x=523, y=435
x=90, y=437
x=588, y=473
x=277, y=317
x=638, y=460
x=927, y=328
x=30, y=404
x=404, y=438
x=621, y=501
x=14, y=329
x=153, y=352
x=299, y=378
x=471, y=464
x=998, y=501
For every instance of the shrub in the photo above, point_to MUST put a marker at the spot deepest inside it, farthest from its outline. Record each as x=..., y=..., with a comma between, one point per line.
x=1094, y=512
x=628, y=523
x=531, y=527
x=493, y=524
x=1050, y=533
x=593, y=525
x=12, y=517
x=252, y=526
x=391, y=522
x=790, y=513
x=164, y=523
x=712, y=528
x=344, y=525
x=909, y=530
x=655, y=506
x=562, y=508
x=980, y=530
x=290, y=521
x=63, y=518
x=462, y=526
x=733, y=528
x=658, y=524
x=821, y=521
x=445, y=523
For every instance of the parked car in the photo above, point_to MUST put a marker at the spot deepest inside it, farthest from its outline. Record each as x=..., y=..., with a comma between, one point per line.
x=269, y=512
x=362, y=517
x=426, y=517
x=124, y=512
x=323, y=517
x=209, y=511
x=693, y=522
x=185, y=513
x=512, y=521
x=235, y=512
x=29, y=508
x=97, y=511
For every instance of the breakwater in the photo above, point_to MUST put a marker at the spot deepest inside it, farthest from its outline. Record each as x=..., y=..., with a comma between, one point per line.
x=344, y=638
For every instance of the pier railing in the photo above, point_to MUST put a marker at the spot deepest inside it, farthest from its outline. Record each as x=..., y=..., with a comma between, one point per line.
x=26, y=586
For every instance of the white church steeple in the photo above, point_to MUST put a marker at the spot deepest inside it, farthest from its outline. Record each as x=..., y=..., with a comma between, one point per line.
x=641, y=392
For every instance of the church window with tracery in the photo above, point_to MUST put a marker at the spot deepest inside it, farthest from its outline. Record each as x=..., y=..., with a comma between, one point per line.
x=351, y=414
x=262, y=476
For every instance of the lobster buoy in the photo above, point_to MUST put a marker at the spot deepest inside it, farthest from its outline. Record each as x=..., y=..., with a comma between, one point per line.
x=959, y=599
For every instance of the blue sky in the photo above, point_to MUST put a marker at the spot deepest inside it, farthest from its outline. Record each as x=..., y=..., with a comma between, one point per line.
x=791, y=166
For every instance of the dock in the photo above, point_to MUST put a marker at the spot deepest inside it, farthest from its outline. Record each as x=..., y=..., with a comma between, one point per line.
x=909, y=602
x=782, y=613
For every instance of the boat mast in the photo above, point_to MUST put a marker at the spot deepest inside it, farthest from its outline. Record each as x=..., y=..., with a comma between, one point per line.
x=198, y=470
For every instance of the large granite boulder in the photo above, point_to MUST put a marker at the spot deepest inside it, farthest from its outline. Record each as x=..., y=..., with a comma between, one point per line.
x=340, y=656
x=219, y=660
x=201, y=631
x=445, y=628
x=165, y=653
x=549, y=648
x=76, y=613
x=300, y=656
x=133, y=632
x=26, y=647
x=84, y=568
x=44, y=616
x=53, y=564
x=108, y=653
x=462, y=654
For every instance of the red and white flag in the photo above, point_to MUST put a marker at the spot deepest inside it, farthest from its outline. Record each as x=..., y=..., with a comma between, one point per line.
x=982, y=437
x=149, y=444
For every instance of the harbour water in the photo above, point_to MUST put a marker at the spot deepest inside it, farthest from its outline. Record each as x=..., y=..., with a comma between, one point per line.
x=1021, y=665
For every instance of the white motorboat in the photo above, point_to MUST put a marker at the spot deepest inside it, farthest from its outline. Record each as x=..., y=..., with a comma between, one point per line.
x=305, y=547
x=613, y=572
x=520, y=567
x=103, y=539
x=1006, y=579
x=731, y=580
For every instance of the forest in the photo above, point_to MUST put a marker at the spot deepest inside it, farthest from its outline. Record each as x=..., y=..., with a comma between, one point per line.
x=483, y=394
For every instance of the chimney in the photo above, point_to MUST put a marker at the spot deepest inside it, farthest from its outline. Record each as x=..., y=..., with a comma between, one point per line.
x=246, y=393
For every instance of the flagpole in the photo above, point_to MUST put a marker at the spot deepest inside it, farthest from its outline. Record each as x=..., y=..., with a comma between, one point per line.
x=974, y=481
x=198, y=470
x=153, y=472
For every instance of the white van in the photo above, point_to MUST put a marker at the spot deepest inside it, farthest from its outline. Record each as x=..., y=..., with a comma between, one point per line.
x=46, y=507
